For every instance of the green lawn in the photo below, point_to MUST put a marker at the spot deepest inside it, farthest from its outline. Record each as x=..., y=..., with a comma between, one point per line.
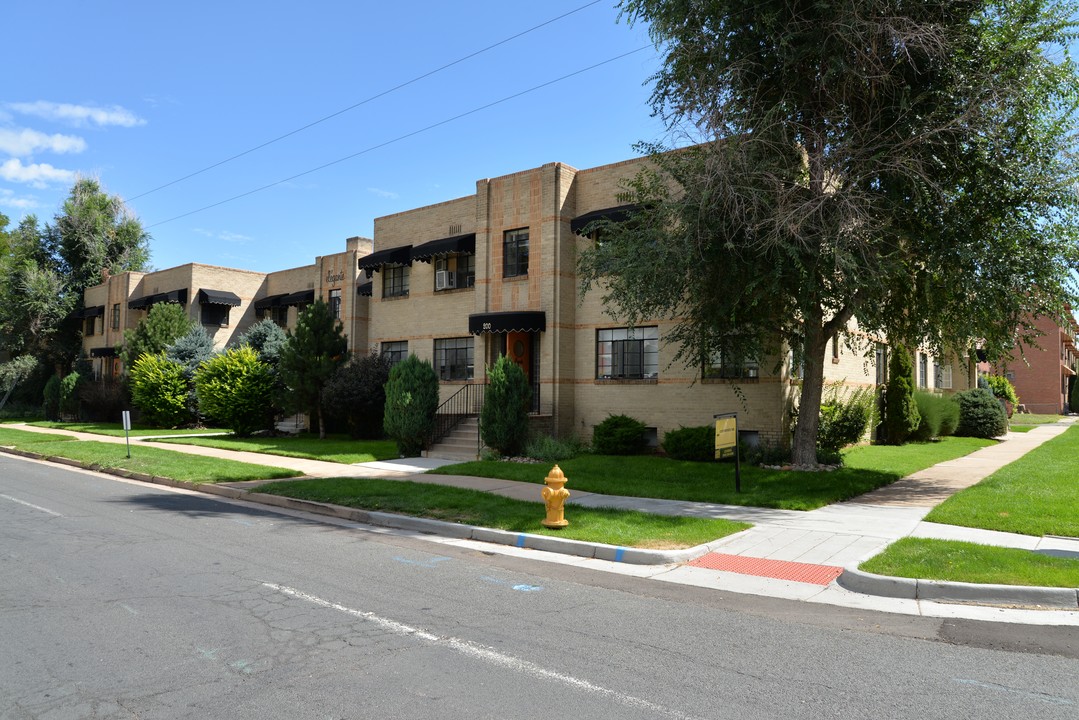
x=966, y=562
x=13, y=437
x=1037, y=494
x=335, y=448
x=1033, y=419
x=868, y=468
x=148, y=460
x=117, y=429
x=472, y=507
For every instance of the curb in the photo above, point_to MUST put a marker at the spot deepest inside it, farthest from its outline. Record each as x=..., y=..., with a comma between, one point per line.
x=426, y=526
x=865, y=583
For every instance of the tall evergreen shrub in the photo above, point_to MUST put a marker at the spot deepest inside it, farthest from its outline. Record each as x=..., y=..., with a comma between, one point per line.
x=901, y=416
x=504, y=418
x=411, y=402
x=160, y=389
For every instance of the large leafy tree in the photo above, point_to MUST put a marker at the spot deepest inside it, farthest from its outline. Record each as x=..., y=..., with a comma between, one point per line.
x=45, y=268
x=310, y=357
x=908, y=164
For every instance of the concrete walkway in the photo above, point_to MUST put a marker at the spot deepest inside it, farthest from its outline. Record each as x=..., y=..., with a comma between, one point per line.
x=781, y=553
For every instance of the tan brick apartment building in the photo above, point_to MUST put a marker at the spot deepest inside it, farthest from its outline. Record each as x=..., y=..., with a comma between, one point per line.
x=461, y=282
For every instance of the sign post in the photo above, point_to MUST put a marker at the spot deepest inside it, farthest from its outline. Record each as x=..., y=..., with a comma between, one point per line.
x=127, y=430
x=727, y=439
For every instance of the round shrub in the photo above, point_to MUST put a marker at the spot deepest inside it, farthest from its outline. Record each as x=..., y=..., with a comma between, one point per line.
x=980, y=414
x=356, y=395
x=159, y=389
x=843, y=421
x=504, y=417
x=69, y=395
x=618, y=435
x=235, y=388
x=697, y=443
x=411, y=402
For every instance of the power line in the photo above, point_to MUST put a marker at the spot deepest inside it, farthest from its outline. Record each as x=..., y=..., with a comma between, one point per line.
x=364, y=101
x=399, y=138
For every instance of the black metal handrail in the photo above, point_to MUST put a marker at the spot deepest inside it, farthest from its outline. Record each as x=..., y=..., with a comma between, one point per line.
x=466, y=402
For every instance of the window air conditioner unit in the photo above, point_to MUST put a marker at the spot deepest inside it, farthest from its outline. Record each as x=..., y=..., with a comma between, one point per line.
x=445, y=280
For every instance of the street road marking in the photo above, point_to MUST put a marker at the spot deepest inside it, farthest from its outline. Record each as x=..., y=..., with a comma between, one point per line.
x=479, y=652
x=519, y=587
x=429, y=563
x=1044, y=697
x=31, y=505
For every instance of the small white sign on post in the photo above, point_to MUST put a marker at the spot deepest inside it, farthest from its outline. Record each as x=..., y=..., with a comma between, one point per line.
x=127, y=429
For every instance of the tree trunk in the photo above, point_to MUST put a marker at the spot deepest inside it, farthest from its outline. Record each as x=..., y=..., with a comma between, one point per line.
x=804, y=449
x=321, y=422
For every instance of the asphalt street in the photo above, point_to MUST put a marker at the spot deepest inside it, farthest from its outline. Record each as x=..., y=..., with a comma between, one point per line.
x=119, y=599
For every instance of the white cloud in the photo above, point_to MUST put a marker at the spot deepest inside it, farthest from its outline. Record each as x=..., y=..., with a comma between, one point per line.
x=38, y=175
x=224, y=235
x=24, y=141
x=79, y=114
x=8, y=198
x=383, y=193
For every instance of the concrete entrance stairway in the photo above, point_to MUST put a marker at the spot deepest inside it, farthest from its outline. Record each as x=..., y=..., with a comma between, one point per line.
x=461, y=443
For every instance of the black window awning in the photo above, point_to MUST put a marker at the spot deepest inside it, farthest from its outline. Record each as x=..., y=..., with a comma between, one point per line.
x=620, y=213
x=218, y=297
x=173, y=296
x=524, y=321
x=366, y=289
x=393, y=256
x=91, y=312
x=465, y=244
x=103, y=352
x=269, y=301
x=304, y=297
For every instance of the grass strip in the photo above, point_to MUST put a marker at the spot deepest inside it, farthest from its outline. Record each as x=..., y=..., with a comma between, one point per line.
x=1021, y=428
x=1034, y=419
x=117, y=429
x=334, y=448
x=12, y=437
x=151, y=461
x=472, y=507
x=1038, y=494
x=967, y=562
x=651, y=476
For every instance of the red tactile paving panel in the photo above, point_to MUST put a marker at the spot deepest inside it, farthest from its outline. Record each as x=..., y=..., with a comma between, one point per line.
x=777, y=569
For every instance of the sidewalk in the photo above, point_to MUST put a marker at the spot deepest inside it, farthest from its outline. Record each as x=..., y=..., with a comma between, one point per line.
x=786, y=553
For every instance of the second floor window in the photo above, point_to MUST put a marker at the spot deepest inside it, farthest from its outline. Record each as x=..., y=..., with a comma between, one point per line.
x=515, y=253
x=730, y=368
x=335, y=303
x=116, y=316
x=395, y=281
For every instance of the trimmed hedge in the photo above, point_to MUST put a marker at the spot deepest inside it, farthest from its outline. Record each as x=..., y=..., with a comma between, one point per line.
x=697, y=443
x=618, y=435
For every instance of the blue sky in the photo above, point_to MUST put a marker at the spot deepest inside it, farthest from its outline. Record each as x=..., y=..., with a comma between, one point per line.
x=140, y=95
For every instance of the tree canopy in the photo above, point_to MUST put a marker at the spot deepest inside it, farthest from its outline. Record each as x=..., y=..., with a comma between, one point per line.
x=906, y=163
x=164, y=324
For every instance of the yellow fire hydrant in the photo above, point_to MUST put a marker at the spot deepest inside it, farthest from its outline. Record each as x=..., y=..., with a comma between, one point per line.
x=554, y=496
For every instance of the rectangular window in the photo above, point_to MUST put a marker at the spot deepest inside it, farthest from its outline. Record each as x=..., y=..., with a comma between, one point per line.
x=89, y=326
x=455, y=271
x=116, y=316
x=335, y=303
x=945, y=377
x=797, y=366
x=923, y=371
x=835, y=348
x=214, y=315
x=515, y=253
x=395, y=351
x=629, y=353
x=881, y=354
x=395, y=281
x=453, y=358
x=279, y=315
x=730, y=368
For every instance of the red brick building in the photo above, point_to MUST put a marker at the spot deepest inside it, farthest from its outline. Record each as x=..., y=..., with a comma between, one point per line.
x=1042, y=380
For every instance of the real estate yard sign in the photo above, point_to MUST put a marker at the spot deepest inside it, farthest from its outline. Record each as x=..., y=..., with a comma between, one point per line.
x=727, y=441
